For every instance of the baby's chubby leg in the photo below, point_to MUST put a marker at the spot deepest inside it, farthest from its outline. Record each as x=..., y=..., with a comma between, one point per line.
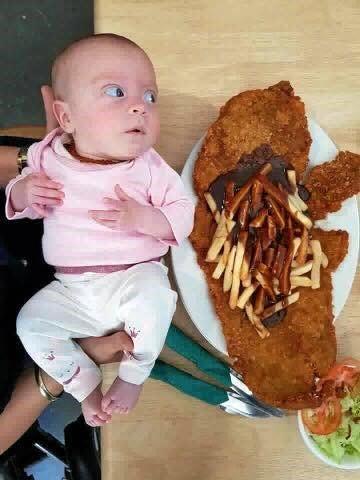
x=92, y=405
x=147, y=306
x=46, y=325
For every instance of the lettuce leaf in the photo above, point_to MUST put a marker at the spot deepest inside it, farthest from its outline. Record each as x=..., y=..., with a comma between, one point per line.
x=346, y=439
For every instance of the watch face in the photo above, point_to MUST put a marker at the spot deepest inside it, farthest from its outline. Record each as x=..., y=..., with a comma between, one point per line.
x=22, y=158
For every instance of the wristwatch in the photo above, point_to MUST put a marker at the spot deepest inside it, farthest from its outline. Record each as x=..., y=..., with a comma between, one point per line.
x=22, y=159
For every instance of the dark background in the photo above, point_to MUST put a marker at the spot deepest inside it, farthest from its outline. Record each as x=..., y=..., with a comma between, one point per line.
x=32, y=33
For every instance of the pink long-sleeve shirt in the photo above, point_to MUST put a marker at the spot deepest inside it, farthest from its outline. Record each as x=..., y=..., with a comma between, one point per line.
x=71, y=237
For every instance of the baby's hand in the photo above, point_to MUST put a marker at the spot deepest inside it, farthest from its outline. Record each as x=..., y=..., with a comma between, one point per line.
x=37, y=191
x=125, y=213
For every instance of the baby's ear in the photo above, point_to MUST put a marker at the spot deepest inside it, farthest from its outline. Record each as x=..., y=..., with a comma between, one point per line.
x=62, y=113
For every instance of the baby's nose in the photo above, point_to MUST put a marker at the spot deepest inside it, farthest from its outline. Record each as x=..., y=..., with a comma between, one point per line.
x=139, y=109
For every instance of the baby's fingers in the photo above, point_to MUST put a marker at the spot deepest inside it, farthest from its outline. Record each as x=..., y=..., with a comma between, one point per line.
x=42, y=180
x=47, y=192
x=40, y=210
x=115, y=204
x=52, y=202
x=109, y=215
x=108, y=223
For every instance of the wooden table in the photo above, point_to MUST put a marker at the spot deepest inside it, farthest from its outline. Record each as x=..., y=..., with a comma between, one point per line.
x=205, y=52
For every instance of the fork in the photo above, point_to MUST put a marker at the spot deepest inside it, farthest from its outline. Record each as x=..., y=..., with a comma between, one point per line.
x=234, y=398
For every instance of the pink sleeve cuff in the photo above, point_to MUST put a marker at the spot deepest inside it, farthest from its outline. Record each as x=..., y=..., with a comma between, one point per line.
x=180, y=215
x=9, y=210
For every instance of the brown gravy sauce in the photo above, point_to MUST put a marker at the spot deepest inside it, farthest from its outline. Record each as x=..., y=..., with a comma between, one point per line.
x=247, y=166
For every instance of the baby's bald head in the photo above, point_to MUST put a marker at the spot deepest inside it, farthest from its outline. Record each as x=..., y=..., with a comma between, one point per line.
x=85, y=50
x=106, y=97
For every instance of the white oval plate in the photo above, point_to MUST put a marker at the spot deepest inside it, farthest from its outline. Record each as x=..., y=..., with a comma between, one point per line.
x=191, y=280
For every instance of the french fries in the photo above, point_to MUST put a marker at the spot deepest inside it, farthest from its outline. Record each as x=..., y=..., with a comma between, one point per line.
x=259, y=220
x=291, y=174
x=259, y=304
x=229, y=269
x=243, y=214
x=235, y=285
x=284, y=200
x=229, y=194
x=256, y=193
x=246, y=294
x=245, y=266
x=257, y=255
x=212, y=205
x=296, y=245
x=219, y=238
x=324, y=260
x=279, y=261
x=298, y=215
x=255, y=320
x=307, y=267
x=303, y=249
x=223, y=261
x=273, y=249
x=284, y=278
x=276, y=211
x=315, y=271
x=280, y=305
x=244, y=190
x=300, y=281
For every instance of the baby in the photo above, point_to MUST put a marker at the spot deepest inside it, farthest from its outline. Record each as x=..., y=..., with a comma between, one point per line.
x=111, y=208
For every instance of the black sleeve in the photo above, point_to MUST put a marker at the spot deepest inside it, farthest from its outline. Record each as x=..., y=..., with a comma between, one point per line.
x=22, y=273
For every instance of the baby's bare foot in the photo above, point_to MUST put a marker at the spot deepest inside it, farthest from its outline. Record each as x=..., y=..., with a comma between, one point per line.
x=121, y=397
x=92, y=411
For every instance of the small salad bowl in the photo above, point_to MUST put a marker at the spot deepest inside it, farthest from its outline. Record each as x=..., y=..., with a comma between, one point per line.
x=347, y=462
x=337, y=421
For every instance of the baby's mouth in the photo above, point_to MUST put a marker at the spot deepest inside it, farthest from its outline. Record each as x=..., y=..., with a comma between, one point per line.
x=136, y=131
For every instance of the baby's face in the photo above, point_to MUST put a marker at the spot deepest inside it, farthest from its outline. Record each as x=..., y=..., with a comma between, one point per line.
x=113, y=102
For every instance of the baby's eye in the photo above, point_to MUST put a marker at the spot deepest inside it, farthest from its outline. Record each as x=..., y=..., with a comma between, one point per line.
x=150, y=96
x=114, y=91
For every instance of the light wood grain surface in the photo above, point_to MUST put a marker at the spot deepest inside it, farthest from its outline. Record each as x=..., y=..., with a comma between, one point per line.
x=205, y=52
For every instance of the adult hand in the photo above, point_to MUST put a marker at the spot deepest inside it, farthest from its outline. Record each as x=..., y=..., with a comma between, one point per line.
x=8, y=155
x=107, y=349
x=48, y=99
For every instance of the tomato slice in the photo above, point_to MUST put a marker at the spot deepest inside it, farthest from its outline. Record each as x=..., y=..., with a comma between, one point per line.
x=343, y=374
x=325, y=419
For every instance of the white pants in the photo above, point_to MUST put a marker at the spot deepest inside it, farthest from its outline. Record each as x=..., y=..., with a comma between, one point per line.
x=138, y=300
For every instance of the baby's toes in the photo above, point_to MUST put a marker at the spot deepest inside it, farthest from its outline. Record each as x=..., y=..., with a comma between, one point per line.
x=90, y=422
x=105, y=403
x=122, y=410
x=98, y=422
x=94, y=421
x=103, y=415
x=110, y=409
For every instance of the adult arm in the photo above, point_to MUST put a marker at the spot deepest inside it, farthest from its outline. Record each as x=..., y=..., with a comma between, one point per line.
x=8, y=155
x=27, y=403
